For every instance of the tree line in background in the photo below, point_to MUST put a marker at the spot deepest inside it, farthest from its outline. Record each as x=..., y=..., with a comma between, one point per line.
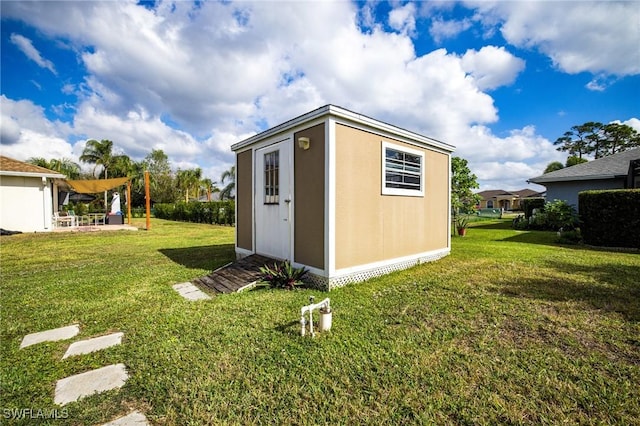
x=166, y=186
x=596, y=139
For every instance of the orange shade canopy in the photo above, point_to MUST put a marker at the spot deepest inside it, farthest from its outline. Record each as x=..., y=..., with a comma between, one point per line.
x=95, y=186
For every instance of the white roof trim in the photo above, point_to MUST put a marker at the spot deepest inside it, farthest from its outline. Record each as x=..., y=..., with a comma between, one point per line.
x=332, y=110
x=32, y=174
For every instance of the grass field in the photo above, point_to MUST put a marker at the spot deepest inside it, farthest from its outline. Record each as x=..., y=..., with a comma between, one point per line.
x=511, y=328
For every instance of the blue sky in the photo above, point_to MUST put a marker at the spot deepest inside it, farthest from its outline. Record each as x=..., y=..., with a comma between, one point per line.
x=499, y=80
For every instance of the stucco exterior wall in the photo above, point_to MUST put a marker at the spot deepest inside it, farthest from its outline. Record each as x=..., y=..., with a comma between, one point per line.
x=16, y=194
x=309, y=194
x=568, y=191
x=371, y=227
x=244, y=203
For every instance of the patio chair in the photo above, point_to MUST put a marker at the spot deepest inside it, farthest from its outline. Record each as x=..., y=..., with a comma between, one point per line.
x=74, y=219
x=63, y=219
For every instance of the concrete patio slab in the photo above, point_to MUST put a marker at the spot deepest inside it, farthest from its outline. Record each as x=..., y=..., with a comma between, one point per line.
x=103, y=379
x=134, y=419
x=190, y=291
x=93, y=345
x=53, y=335
x=95, y=228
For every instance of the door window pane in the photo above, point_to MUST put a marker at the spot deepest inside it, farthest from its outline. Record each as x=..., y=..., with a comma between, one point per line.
x=271, y=177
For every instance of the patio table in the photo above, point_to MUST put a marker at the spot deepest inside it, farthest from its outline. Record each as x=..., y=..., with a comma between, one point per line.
x=96, y=218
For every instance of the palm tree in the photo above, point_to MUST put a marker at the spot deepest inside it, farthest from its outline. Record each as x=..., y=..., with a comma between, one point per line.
x=123, y=166
x=189, y=179
x=100, y=154
x=209, y=187
x=230, y=176
x=64, y=166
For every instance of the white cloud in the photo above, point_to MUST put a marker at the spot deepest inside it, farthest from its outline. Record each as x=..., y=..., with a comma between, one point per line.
x=26, y=46
x=192, y=80
x=366, y=15
x=508, y=176
x=205, y=67
x=597, y=37
x=441, y=29
x=403, y=19
x=194, y=64
x=225, y=70
x=26, y=132
x=136, y=134
x=505, y=162
x=634, y=123
x=596, y=86
x=290, y=100
x=600, y=83
x=10, y=130
x=492, y=66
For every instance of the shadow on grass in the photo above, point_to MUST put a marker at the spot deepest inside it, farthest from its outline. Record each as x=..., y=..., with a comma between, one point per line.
x=617, y=288
x=492, y=224
x=550, y=238
x=202, y=257
x=536, y=237
x=291, y=328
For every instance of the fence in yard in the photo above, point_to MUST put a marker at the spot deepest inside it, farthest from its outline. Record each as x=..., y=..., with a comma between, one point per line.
x=494, y=213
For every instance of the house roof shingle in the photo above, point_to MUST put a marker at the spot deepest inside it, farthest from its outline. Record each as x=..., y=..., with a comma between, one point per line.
x=522, y=193
x=527, y=193
x=612, y=166
x=11, y=167
x=492, y=193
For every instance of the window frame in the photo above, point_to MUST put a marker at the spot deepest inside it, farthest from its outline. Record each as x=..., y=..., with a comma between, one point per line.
x=402, y=191
x=271, y=184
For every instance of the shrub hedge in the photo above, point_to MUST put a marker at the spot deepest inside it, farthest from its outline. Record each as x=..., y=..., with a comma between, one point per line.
x=610, y=218
x=138, y=212
x=212, y=212
x=528, y=204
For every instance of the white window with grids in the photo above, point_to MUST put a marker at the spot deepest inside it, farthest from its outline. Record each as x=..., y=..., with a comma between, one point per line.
x=402, y=170
x=272, y=177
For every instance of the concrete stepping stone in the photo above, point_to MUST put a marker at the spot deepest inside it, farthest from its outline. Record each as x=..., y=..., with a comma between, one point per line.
x=92, y=345
x=134, y=419
x=103, y=379
x=53, y=335
x=190, y=291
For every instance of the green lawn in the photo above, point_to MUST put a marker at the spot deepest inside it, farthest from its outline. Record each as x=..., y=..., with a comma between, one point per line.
x=510, y=328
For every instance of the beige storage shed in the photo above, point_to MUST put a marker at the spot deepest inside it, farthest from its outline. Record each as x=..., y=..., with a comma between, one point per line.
x=344, y=195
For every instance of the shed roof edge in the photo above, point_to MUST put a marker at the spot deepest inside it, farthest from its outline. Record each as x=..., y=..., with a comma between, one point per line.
x=341, y=113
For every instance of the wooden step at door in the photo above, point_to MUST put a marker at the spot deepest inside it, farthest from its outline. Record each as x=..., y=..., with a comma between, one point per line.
x=234, y=276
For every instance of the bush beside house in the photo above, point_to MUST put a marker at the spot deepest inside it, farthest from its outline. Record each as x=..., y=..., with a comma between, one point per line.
x=556, y=215
x=528, y=204
x=611, y=218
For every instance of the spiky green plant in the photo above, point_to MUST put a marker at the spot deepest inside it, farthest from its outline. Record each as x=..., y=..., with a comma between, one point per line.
x=282, y=275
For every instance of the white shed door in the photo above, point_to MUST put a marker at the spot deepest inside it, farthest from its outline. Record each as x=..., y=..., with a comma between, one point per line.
x=273, y=204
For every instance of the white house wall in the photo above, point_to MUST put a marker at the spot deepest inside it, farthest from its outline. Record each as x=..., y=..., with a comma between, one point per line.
x=25, y=204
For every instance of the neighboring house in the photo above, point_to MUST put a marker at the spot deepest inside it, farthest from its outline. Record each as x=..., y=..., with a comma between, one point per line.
x=505, y=200
x=215, y=196
x=26, y=196
x=617, y=171
x=346, y=196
